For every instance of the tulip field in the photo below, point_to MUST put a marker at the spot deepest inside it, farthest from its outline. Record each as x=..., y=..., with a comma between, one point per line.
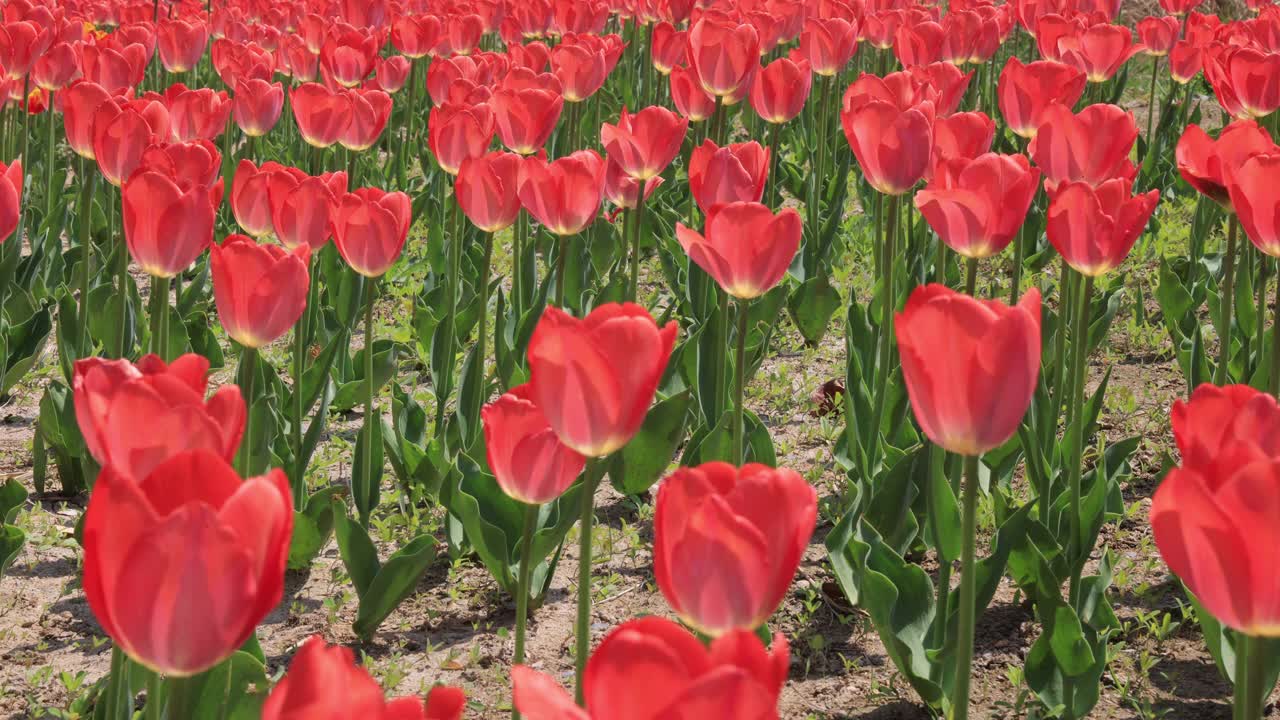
x=639, y=359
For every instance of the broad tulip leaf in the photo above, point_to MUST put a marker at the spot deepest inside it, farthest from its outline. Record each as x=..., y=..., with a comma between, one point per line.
x=811, y=306
x=394, y=582
x=352, y=393
x=240, y=683
x=12, y=496
x=357, y=551
x=636, y=467
x=11, y=541
x=366, y=469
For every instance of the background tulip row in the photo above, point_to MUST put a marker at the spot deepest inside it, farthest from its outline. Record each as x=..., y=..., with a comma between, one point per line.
x=382, y=287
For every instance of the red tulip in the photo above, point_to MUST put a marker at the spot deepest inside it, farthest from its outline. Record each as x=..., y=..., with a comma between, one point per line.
x=114, y=398
x=595, y=378
x=892, y=146
x=167, y=224
x=10, y=197
x=249, y=201
x=1207, y=164
x=348, y=56
x=727, y=542
x=918, y=43
x=1213, y=517
x=645, y=143
x=416, y=36
x=733, y=173
x=941, y=83
x=525, y=118
x=324, y=682
x=1093, y=228
x=370, y=227
x=456, y=132
x=181, y=564
x=1245, y=81
x=828, y=44
x=113, y=66
x=1256, y=198
x=301, y=206
x=261, y=290
x=623, y=191
x=1185, y=62
x=488, y=190
x=257, y=106
x=667, y=47
x=370, y=111
x=56, y=68
x=970, y=365
x=321, y=114
x=746, y=249
x=1178, y=8
x=1026, y=91
x=881, y=28
x=524, y=454
x=1157, y=35
x=80, y=103
x=563, y=195
x=1098, y=51
x=655, y=669
x=1091, y=146
x=196, y=162
x=780, y=89
x=392, y=73
x=723, y=54
x=200, y=113
x=977, y=206
x=688, y=96
x=580, y=68
x=181, y=44
x=121, y=135
x=962, y=136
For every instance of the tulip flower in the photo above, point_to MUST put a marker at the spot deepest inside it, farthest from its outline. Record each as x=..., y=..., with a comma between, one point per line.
x=457, y=132
x=918, y=44
x=80, y=103
x=21, y=43
x=624, y=192
x=416, y=36
x=644, y=144
x=1098, y=51
x=977, y=206
x=1207, y=164
x=487, y=190
x=733, y=173
x=1186, y=60
x=166, y=224
x=370, y=227
x=722, y=54
x=301, y=206
x=727, y=542
x=688, y=96
x=257, y=106
x=10, y=198
x=1157, y=35
x=524, y=454
x=828, y=44
x=892, y=146
x=1256, y=199
x=182, y=563
x=746, y=248
x=963, y=136
x=181, y=44
x=348, y=56
x=324, y=682
x=249, y=201
x=1244, y=81
x=780, y=90
x=667, y=47
x=113, y=398
x=563, y=195
x=1091, y=146
x=199, y=114
x=1093, y=228
x=524, y=119
x=321, y=114
x=580, y=68
x=660, y=670
x=112, y=65
x=260, y=290
x=1025, y=92
x=196, y=162
x=120, y=136
x=370, y=111
x=57, y=68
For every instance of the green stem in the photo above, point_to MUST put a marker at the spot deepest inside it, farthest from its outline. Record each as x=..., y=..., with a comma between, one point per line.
x=160, y=316
x=370, y=290
x=970, y=276
x=938, y=473
x=122, y=278
x=582, y=629
x=248, y=376
x=49, y=157
x=1151, y=102
x=770, y=182
x=1227, y=298
x=522, y=598
x=968, y=590
x=182, y=695
x=740, y=371
x=88, y=176
x=633, y=289
x=1251, y=693
x=887, y=302
x=155, y=702
x=483, y=288
x=517, y=263
x=1075, y=459
x=1273, y=379
x=300, y=332
x=561, y=253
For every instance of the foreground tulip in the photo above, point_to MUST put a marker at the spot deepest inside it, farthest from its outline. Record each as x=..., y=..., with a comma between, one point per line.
x=181, y=44
x=524, y=119
x=1098, y=51
x=727, y=542
x=892, y=146
x=324, y=682
x=1208, y=164
x=659, y=670
x=563, y=195
x=733, y=173
x=370, y=111
x=977, y=206
x=644, y=144
x=723, y=54
x=487, y=190
x=261, y=290
x=80, y=103
x=115, y=397
x=456, y=132
x=780, y=90
x=1244, y=81
x=688, y=96
x=250, y=202
x=1025, y=92
x=10, y=198
x=121, y=136
x=370, y=227
x=301, y=206
x=1255, y=195
x=181, y=564
x=199, y=114
x=321, y=114
x=746, y=249
x=167, y=225
x=524, y=454
x=1091, y=146
x=257, y=106
x=1094, y=228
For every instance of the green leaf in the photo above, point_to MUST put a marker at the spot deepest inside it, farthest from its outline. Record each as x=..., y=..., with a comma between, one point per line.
x=811, y=306
x=394, y=583
x=357, y=551
x=366, y=469
x=11, y=540
x=636, y=467
x=12, y=496
x=240, y=682
x=350, y=394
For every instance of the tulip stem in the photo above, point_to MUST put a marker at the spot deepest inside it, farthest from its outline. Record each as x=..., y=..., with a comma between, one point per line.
x=155, y=704
x=517, y=265
x=49, y=157
x=370, y=292
x=1273, y=379
x=83, y=209
x=122, y=277
x=971, y=276
x=887, y=302
x=299, y=482
x=1251, y=691
x=1075, y=459
x=1151, y=103
x=582, y=629
x=181, y=696
x=248, y=375
x=633, y=289
x=483, y=289
x=770, y=182
x=522, y=589
x=160, y=316
x=740, y=371
x=968, y=590
x=1227, y=298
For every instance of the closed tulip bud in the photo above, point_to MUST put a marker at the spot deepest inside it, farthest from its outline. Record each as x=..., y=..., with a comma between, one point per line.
x=525, y=119
x=667, y=47
x=1207, y=164
x=1025, y=92
x=727, y=542
x=595, y=378
x=199, y=114
x=370, y=111
x=892, y=146
x=1091, y=146
x=1157, y=35
x=733, y=173
x=525, y=456
x=488, y=190
x=181, y=44
x=10, y=197
x=416, y=35
x=563, y=195
x=257, y=106
x=644, y=144
x=456, y=132
x=918, y=44
x=167, y=225
x=977, y=206
x=113, y=398
x=970, y=365
x=260, y=290
x=324, y=682
x=80, y=103
x=181, y=564
x=348, y=57
x=722, y=54
x=57, y=68
x=120, y=137
x=623, y=191
x=1186, y=60
x=321, y=114
x=301, y=206
x=1093, y=228
x=828, y=44
x=580, y=68
x=663, y=671
x=962, y=136
x=249, y=201
x=780, y=89
x=392, y=73
x=370, y=227
x=690, y=99
x=746, y=249
x=1256, y=198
